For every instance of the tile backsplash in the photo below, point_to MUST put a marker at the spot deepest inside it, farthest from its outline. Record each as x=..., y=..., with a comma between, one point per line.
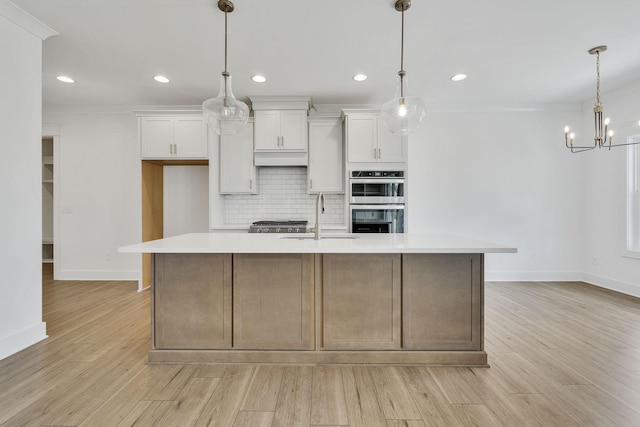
x=282, y=195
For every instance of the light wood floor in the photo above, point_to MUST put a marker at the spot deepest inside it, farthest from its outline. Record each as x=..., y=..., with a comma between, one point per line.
x=561, y=354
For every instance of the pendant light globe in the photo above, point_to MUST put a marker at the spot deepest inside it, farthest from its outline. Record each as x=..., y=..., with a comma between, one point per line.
x=224, y=114
x=403, y=115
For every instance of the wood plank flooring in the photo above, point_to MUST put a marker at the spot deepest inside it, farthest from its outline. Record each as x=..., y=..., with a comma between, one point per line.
x=561, y=354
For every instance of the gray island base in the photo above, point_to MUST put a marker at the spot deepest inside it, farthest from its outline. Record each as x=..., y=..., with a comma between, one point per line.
x=309, y=302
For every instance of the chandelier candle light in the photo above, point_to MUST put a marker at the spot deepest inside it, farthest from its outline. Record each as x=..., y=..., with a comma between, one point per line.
x=403, y=115
x=225, y=114
x=603, y=135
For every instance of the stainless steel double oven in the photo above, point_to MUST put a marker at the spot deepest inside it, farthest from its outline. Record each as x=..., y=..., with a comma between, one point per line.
x=377, y=201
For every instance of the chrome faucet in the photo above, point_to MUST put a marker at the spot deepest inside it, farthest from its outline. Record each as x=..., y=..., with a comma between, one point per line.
x=319, y=205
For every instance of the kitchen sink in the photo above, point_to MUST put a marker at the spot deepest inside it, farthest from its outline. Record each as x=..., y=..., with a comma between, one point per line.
x=349, y=237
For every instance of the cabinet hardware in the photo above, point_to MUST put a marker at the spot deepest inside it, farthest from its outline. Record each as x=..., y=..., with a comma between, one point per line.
x=379, y=153
x=250, y=184
x=311, y=183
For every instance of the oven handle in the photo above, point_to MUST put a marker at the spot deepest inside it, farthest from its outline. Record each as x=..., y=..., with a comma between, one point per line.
x=377, y=207
x=377, y=180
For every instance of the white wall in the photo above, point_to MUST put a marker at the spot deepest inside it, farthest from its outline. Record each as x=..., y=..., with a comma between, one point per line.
x=99, y=194
x=186, y=200
x=20, y=179
x=504, y=177
x=604, y=188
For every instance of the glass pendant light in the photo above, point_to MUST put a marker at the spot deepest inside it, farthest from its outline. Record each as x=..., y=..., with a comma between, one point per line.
x=225, y=114
x=403, y=114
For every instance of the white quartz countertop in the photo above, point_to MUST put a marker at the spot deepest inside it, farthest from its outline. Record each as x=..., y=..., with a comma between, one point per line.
x=304, y=243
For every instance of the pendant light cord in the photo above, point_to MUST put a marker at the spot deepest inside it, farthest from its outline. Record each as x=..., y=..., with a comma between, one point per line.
x=402, y=43
x=225, y=41
x=402, y=73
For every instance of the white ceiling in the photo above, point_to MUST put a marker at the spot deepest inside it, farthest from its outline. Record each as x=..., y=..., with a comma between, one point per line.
x=515, y=52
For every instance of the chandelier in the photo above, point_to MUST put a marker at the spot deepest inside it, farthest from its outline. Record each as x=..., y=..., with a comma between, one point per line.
x=403, y=114
x=224, y=113
x=603, y=135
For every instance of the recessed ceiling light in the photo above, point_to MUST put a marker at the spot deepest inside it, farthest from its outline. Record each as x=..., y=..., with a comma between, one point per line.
x=458, y=77
x=161, y=79
x=258, y=78
x=360, y=77
x=65, y=79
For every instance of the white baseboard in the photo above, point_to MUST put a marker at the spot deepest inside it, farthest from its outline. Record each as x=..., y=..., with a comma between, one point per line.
x=22, y=339
x=532, y=276
x=632, y=289
x=99, y=275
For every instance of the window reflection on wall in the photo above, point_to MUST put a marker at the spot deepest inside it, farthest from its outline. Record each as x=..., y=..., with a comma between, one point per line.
x=633, y=195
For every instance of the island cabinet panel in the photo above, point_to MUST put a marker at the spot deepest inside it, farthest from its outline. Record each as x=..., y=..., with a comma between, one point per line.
x=192, y=301
x=361, y=301
x=273, y=301
x=442, y=301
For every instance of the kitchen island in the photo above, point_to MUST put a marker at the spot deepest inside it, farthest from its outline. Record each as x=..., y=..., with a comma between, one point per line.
x=287, y=298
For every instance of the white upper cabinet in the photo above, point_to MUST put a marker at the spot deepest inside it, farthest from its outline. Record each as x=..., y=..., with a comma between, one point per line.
x=369, y=141
x=361, y=135
x=173, y=137
x=326, y=163
x=281, y=130
x=391, y=147
x=237, y=172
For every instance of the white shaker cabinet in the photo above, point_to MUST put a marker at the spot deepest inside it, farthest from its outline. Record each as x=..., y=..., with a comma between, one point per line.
x=173, y=137
x=326, y=163
x=237, y=172
x=369, y=141
x=281, y=130
x=391, y=147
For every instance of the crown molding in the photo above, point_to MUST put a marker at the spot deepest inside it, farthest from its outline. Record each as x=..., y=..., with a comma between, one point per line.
x=501, y=108
x=122, y=109
x=318, y=110
x=26, y=21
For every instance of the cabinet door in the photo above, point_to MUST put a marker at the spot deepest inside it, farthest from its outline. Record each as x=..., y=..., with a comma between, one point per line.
x=273, y=301
x=361, y=301
x=190, y=137
x=391, y=147
x=192, y=301
x=293, y=130
x=442, y=301
x=237, y=172
x=326, y=166
x=156, y=137
x=362, y=145
x=267, y=130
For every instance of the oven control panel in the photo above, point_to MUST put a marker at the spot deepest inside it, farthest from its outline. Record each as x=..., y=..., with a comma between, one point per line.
x=377, y=174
